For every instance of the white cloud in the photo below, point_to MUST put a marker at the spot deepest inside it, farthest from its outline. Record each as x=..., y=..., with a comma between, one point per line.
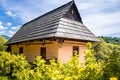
x=1, y=26
x=2, y=32
x=97, y=15
x=15, y=28
x=102, y=20
x=101, y=16
x=11, y=33
x=29, y=12
x=103, y=23
x=98, y=5
x=2, y=29
x=9, y=24
x=107, y=31
x=10, y=13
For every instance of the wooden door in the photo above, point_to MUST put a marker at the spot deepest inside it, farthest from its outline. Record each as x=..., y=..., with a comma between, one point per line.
x=43, y=52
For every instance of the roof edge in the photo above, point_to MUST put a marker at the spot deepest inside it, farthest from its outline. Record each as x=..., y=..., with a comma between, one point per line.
x=55, y=37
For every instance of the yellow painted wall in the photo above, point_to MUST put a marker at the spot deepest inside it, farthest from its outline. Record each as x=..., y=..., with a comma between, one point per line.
x=53, y=50
x=31, y=51
x=82, y=49
x=66, y=50
x=14, y=48
x=65, y=53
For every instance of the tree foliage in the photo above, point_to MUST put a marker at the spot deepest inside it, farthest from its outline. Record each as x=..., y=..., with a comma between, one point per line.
x=93, y=68
x=112, y=65
x=15, y=67
x=113, y=40
x=102, y=50
x=11, y=65
x=2, y=42
x=110, y=54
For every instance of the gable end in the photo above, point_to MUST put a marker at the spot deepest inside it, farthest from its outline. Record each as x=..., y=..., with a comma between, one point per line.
x=73, y=13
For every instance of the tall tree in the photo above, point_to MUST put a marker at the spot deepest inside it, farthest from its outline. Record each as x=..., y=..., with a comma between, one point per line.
x=2, y=42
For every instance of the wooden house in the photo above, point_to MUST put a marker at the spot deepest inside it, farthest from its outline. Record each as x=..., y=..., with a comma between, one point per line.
x=55, y=34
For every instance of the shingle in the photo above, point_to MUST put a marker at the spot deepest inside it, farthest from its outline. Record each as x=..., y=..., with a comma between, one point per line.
x=75, y=30
x=52, y=24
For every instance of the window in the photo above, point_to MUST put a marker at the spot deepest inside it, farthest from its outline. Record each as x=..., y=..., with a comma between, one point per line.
x=72, y=12
x=75, y=50
x=8, y=49
x=43, y=52
x=21, y=50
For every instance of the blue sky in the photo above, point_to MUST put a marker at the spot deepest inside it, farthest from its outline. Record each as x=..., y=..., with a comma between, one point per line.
x=102, y=17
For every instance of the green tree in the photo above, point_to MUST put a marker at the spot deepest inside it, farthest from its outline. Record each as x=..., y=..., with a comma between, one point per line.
x=102, y=50
x=112, y=66
x=109, y=54
x=2, y=42
x=112, y=40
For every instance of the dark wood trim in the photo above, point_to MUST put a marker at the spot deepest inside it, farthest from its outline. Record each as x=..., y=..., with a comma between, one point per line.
x=53, y=39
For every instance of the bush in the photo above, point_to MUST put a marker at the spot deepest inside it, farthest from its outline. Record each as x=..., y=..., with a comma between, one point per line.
x=15, y=67
x=12, y=65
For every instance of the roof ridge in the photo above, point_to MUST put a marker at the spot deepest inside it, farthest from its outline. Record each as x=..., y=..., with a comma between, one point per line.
x=49, y=12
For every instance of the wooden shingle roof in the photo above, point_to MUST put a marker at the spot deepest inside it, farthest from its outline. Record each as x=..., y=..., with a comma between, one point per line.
x=54, y=24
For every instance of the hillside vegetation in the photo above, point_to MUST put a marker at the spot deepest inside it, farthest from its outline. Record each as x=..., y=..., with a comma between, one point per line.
x=6, y=37
x=113, y=40
x=3, y=40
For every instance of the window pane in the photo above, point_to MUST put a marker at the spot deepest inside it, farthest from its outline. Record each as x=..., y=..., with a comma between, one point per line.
x=21, y=50
x=75, y=50
x=43, y=52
